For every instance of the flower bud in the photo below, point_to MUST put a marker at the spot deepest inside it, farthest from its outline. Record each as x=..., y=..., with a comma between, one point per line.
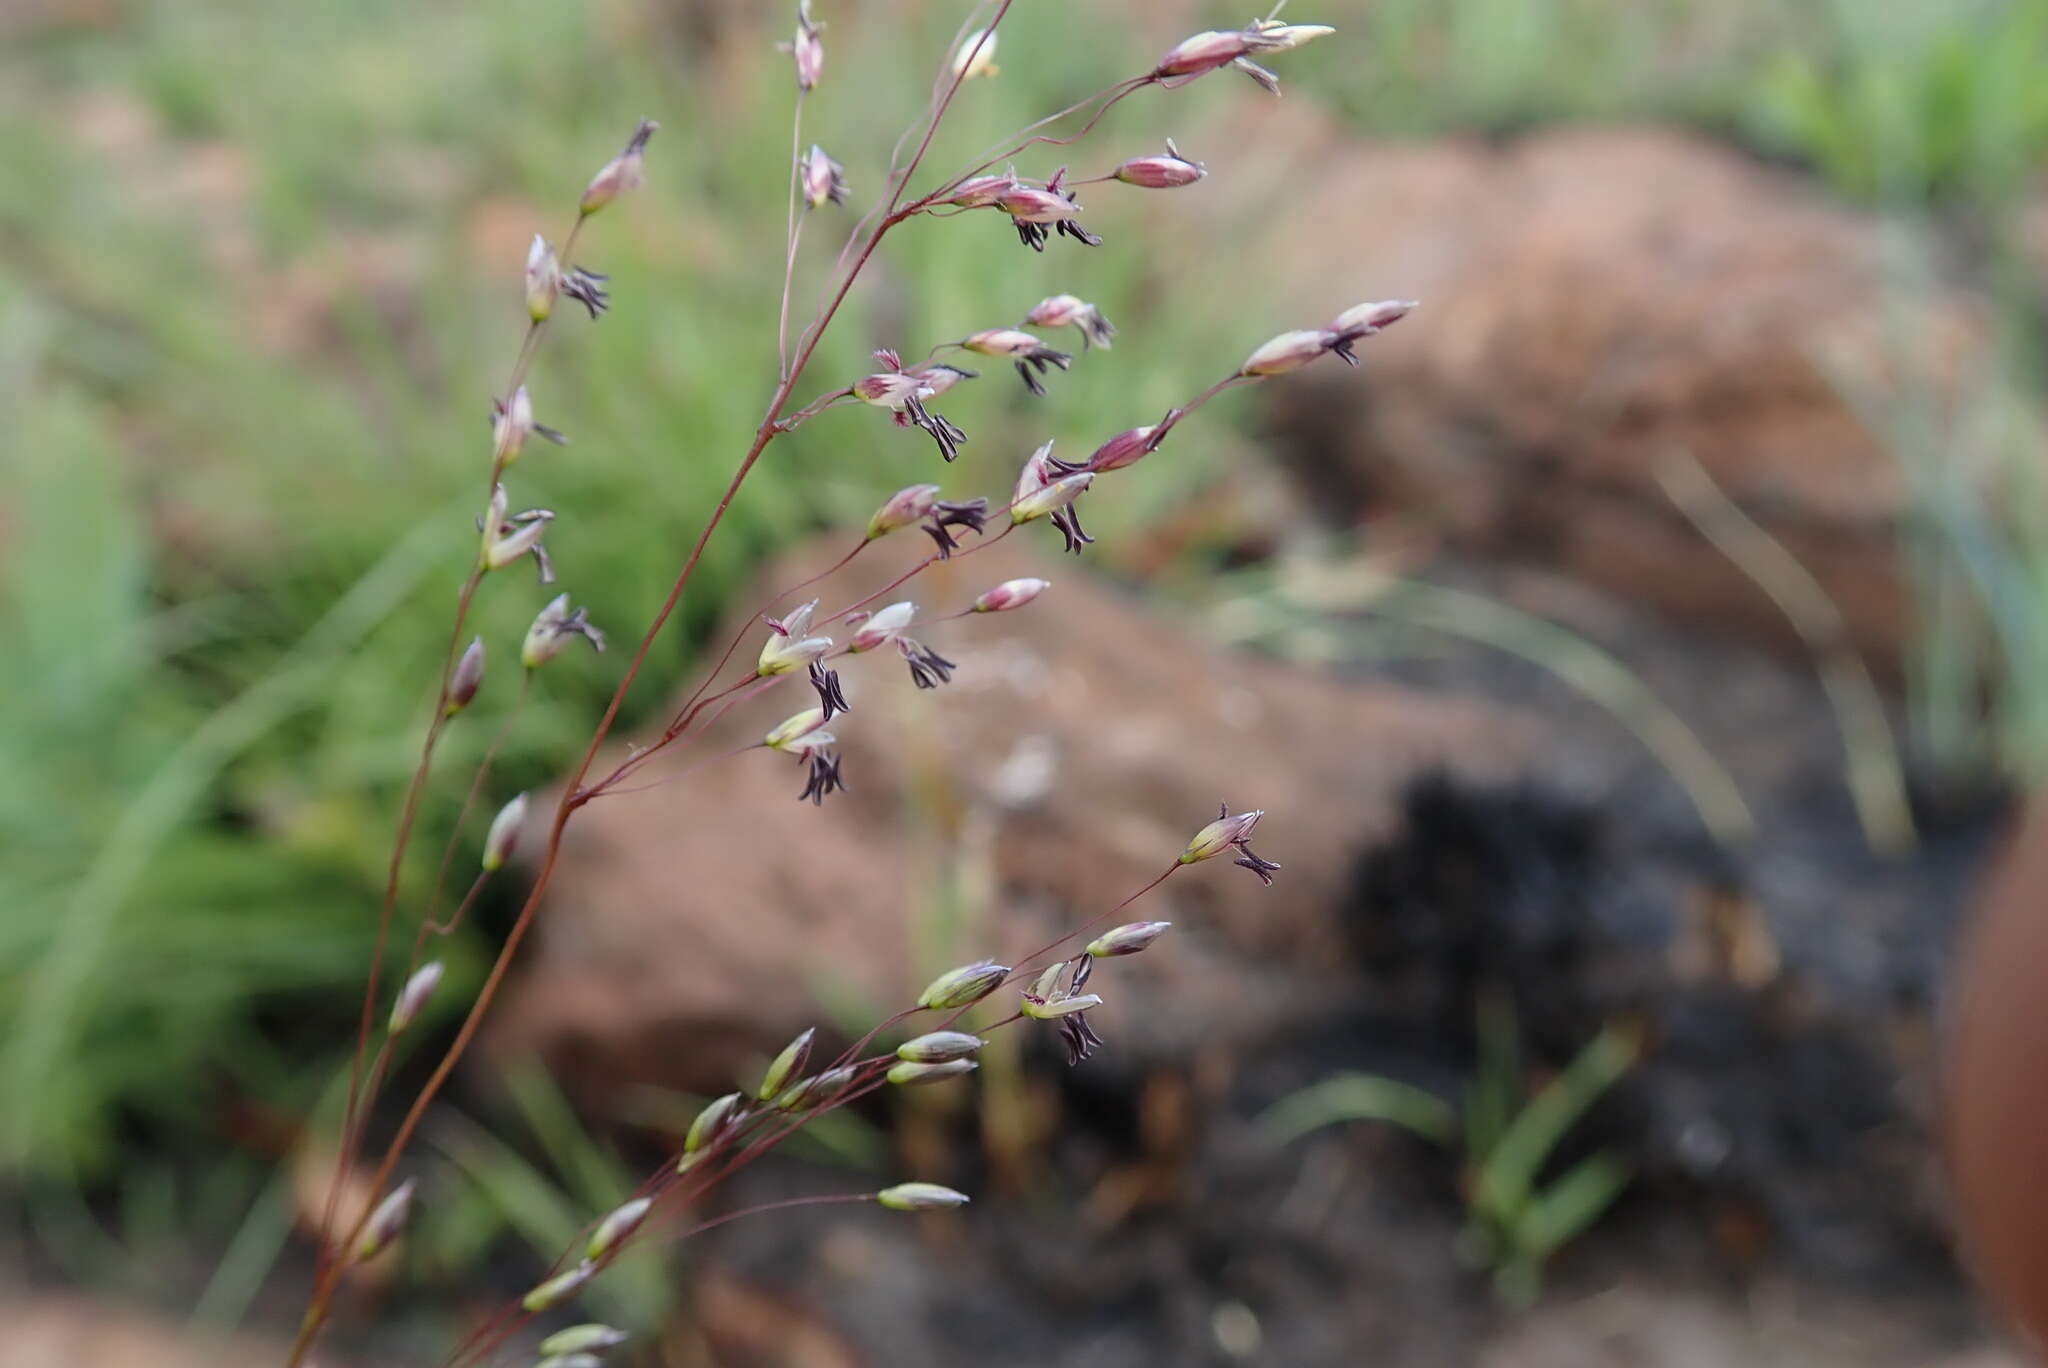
x=817, y=1090
x=801, y=727
x=543, y=279
x=920, y=1197
x=1220, y=835
x=787, y=1064
x=911, y=1073
x=467, y=679
x=387, y=1221
x=711, y=1122
x=882, y=627
x=1204, y=52
x=963, y=986
x=976, y=55
x=905, y=507
x=1127, y=939
x=981, y=191
x=616, y=1227
x=1011, y=594
x=583, y=1339
x=559, y=1288
x=622, y=173
x=1363, y=320
x=1124, y=449
x=1289, y=351
x=938, y=1047
x=418, y=989
x=503, y=837
x=1052, y=498
x=1166, y=172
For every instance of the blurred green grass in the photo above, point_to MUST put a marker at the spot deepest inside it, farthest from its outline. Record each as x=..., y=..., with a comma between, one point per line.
x=261, y=277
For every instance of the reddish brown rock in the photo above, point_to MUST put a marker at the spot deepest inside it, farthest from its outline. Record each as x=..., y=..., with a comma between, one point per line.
x=1082, y=743
x=1594, y=304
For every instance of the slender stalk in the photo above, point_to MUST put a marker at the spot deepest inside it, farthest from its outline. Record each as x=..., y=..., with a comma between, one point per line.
x=573, y=793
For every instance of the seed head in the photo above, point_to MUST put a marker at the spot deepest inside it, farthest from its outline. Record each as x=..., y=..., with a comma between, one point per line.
x=543, y=279
x=911, y=1073
x=467, y=678
x=559, y=1288
x=414, y=995
x=387, y=1221
x=964, y=986
x=882, y=627
x=1011, y=594
x=920, y=1197
x=823, y=178
x=976, y=56
x=939, y=1047
x=905, y=507
x=1166, y=172
x=1124, y=449
x=583, y=1339
x=616, y=1227
x=1127, y=939
x=622, y=173
x=786, y=1065
x=1289, y=351
x=503, y=836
